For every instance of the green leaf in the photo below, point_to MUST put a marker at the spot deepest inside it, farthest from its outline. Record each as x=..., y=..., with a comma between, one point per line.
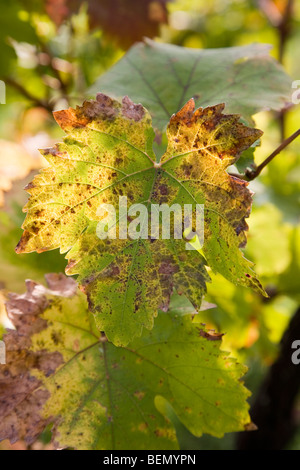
x=107, y=154
x=99, y=396
x=247, y=158
x=163, y=77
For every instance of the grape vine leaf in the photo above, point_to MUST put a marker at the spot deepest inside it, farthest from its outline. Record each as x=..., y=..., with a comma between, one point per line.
x=61, y=370
x=163, y=77
x=107, y=154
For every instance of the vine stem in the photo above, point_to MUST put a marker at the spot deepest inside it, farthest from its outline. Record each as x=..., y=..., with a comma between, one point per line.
x=251, y=174
x=282, y=22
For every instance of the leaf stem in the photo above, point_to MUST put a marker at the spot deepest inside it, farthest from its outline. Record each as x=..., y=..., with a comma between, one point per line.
x=251, y=174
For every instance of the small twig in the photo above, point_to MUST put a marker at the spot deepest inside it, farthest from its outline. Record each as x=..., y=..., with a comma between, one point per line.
x=284, y=31
x=282, y=21
x=271, y=12
x=251, y=174
x=284, y=28
x=37, y=101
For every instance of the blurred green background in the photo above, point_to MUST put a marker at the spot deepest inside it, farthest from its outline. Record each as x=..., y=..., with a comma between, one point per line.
x=53, y=51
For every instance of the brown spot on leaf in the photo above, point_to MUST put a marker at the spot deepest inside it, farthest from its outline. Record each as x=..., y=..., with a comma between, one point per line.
x=21, y=246
x=211, y=335
x=103, y=107
x=131, y=110
x=167, y=268
x=163, y=188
